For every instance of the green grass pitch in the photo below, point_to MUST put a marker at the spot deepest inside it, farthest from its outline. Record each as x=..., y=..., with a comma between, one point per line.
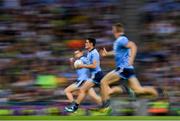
x=76, y=118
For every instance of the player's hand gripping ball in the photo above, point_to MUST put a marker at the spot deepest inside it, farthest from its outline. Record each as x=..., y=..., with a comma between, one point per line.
x=77, y=63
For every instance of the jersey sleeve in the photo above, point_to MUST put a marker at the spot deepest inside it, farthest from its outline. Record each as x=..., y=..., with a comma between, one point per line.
x=95, y=57
x=85, y=60
x=123, y=41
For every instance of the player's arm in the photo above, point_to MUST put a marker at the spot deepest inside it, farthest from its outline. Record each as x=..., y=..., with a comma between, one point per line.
x=71, y=61
x=95, y=59
x=92, y=66
x=133, y=50
x=104, y=52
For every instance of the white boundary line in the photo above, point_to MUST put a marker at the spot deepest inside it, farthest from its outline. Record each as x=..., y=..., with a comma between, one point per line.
x=90, y=120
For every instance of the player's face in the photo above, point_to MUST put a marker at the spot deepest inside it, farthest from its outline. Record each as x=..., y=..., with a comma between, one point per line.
x=87, y=44
x=115, y=32
x=78, y=54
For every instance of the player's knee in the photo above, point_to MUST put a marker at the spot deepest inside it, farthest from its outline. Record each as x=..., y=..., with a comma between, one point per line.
x=66, y=91
x=82, y=90
x=104, y=82
x=139, y=90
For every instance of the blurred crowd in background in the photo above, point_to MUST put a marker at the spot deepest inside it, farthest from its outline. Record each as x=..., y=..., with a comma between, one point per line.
x=37, y=38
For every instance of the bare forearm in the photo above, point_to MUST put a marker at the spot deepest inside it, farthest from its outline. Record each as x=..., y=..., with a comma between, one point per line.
x=133, y=52
x=110, y=53
x=89, y=66
x=71, y=61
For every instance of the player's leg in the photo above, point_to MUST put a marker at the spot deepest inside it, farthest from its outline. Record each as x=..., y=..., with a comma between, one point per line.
x=83, y=91
x=108, y=79
x=137, y=88
x=82, y=94
x=115, y=89
x=94, y=96
x=68, y=91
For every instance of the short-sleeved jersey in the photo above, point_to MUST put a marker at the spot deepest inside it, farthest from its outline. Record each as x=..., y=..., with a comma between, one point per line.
x=83, y=73
x=122, y=53
x=94, y=55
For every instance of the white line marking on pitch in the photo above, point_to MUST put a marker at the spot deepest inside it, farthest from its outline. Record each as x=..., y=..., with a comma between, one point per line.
x=91, y=120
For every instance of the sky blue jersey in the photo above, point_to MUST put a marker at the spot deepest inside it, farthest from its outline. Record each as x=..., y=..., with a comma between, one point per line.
x=94, y=55
x=122, y=53
x=83, y=73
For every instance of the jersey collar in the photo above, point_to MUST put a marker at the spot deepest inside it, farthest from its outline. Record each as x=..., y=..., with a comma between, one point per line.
x=91, y=49
x=81, y=57
x=121, y=35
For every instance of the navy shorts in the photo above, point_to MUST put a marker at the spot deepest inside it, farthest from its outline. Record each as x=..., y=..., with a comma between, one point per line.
x=79, y=82
x=96, y=78
x=125, y=73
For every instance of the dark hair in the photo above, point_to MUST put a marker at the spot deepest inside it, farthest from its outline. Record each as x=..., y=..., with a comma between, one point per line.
x=80, y=50
x=119, y=27
x=92, y=40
